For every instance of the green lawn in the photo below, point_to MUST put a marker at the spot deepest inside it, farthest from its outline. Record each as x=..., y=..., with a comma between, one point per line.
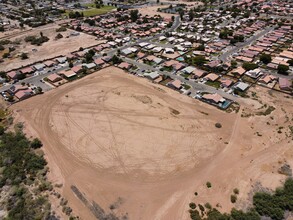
x=94, y=11
x=215, y=84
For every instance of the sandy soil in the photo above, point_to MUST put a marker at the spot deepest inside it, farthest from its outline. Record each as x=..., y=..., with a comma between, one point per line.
x=48, y=50
x=113, y=135
x=153, y=10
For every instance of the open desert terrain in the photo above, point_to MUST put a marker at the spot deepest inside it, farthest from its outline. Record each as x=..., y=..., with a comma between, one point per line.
x=47, y=50
x=123, y=146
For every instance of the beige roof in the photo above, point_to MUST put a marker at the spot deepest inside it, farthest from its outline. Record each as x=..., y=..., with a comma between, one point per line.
x=214, y=97
x=211, y=77
x=176, y=83
x=68, y=73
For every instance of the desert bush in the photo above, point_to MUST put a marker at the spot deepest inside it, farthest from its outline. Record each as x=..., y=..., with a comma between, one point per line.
x=209, y=185
x=218, y=125
x=233, y=198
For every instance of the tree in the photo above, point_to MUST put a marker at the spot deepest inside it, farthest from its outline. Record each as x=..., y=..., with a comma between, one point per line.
x=233, y=198
x=58, y=36
x=181, y=13
x=283, y=69
x=133, y=15
x=199, y=60
x=2, y=130
x=24, y=56
x=249, y=66
x=191, y=14
x=265, y=58
x=290, y=62
x=116, y=60
x=192, y=205
x=201, y=47
x=5, y=55
x=39, y=90
x=233, y=64
x=36, y=143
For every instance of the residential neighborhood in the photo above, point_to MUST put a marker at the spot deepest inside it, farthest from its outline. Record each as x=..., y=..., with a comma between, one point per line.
x=136, y=109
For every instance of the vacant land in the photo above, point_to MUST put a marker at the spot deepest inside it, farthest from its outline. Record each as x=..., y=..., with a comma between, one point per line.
x=49, y=49
x=115, y=137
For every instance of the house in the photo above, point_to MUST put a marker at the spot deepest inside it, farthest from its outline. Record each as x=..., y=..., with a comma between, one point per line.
x=188, y=70
x=107, y=58
x=39, y=66
x=12, y=75
x=27, y=70
x=89, y=65
x=226, y=82
x=77, y=69
x=61, y=59
x=157, y=49
x=241, y=86
x=125, y=65
x=169, y=50
x=239, y=70
x=68, y=73
x=213, y=63
x=140, y=55
x=143, y=44
x=15, y=88
x=152, y=75
x=254, y=73
x=129, y=51
x=99, y=62
x=54, y=78
x=285, y=84
x=212, y=77
x=158, y=60
x=49, y=63
x=126, y=52
x=159, y=79
x=176, y=84
x=213, y=98
x=198, y=73
x=267, y=79
x=23, y=94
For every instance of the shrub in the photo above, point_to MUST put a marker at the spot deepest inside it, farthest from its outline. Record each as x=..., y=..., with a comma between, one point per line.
x=208, y=205
x=36, y=143
x=201, y=208
x=218, y=125
x=24, y=56
x=233, y=198
x=61, y=29
x=236, y=191
x=249, y=66
x=265, y=58
x=192, y=205
x=283, y=69
x=209, y=185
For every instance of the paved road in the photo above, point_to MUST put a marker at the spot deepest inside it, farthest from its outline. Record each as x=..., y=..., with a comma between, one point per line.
x=193, y=84
x=225, y=56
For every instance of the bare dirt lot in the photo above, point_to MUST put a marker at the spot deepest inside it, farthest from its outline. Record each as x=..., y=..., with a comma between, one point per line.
x=49, y=49
x=153, y=10
x=140, y=150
